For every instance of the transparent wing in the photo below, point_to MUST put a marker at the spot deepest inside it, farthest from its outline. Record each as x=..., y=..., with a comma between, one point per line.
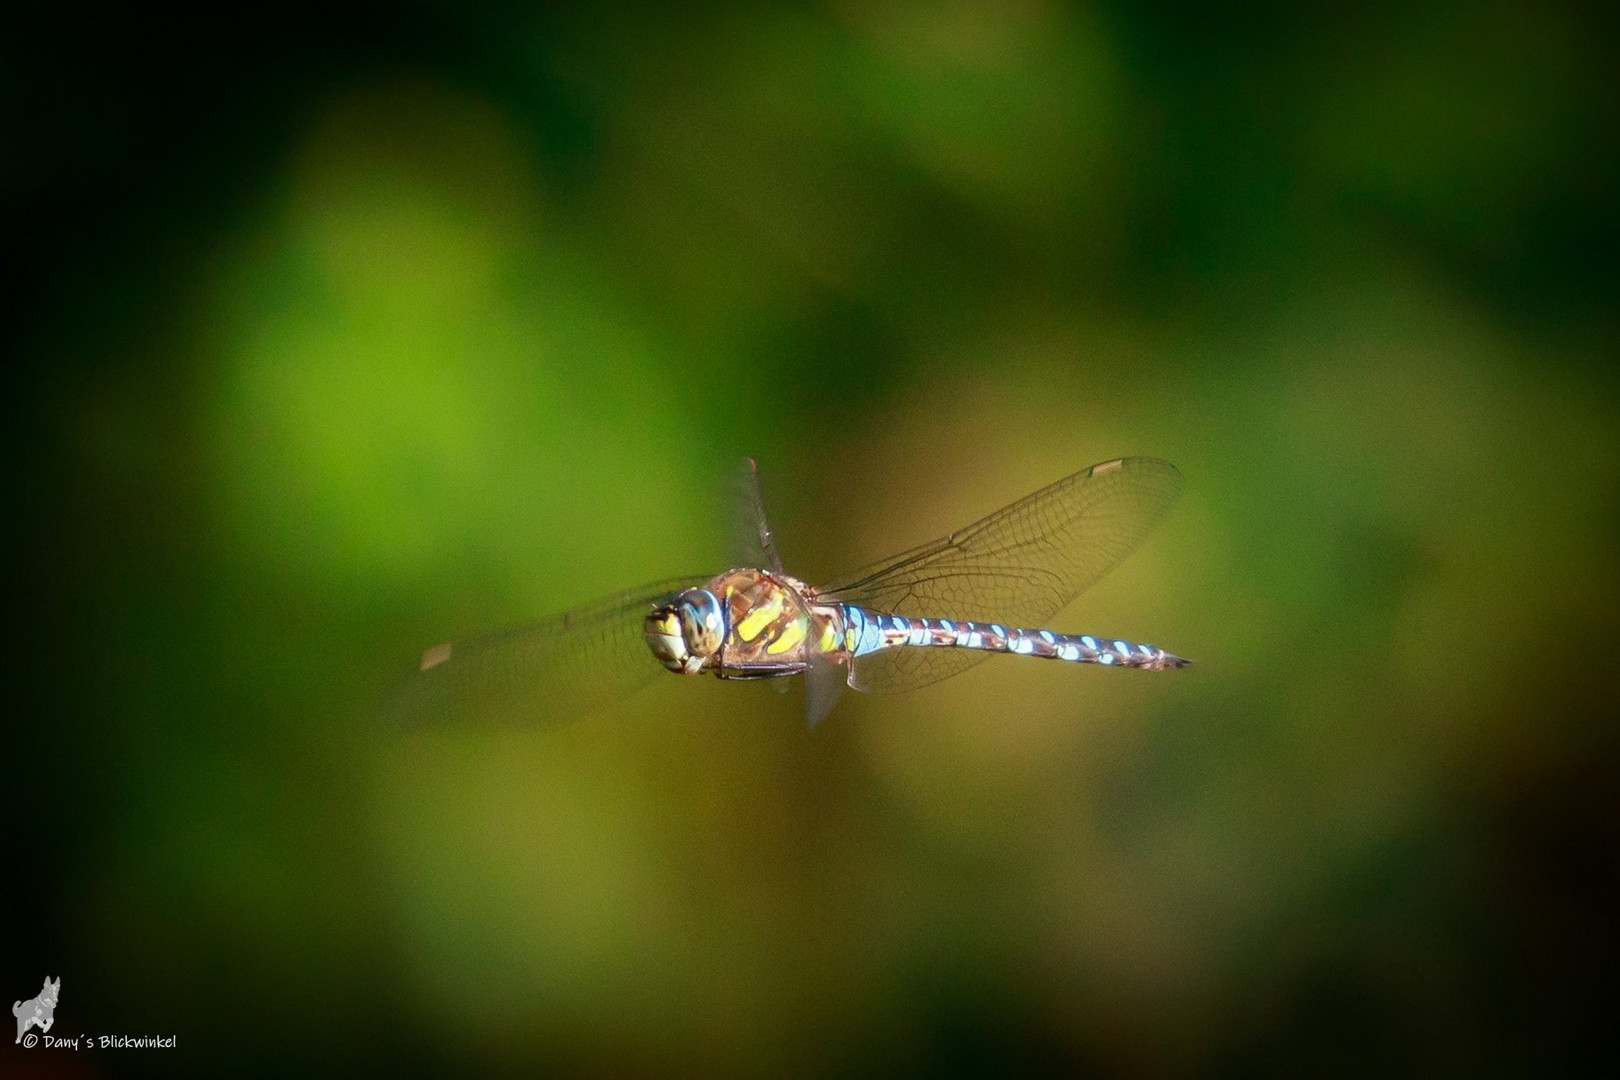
x=1019, y=567
x=751, y=541
x=557, y=669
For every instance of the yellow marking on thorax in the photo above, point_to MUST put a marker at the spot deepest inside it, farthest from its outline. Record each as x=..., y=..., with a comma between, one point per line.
x=829, y=637
x=791, y=635
x=760, y=617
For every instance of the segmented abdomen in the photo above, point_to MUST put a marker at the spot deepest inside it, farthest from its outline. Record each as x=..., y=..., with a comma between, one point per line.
x=869, y=631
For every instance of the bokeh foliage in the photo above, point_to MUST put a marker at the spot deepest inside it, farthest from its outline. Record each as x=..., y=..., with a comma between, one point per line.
x=365, y=329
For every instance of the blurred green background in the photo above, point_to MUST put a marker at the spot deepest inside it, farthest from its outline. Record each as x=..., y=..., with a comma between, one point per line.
x=344, y=331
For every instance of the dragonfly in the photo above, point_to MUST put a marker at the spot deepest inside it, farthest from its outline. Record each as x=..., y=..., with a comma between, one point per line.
x=900, y=624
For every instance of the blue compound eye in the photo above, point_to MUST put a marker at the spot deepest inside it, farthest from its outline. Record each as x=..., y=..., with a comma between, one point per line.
x=703, y=620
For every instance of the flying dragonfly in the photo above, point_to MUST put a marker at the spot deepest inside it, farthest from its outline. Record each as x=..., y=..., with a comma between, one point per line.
x=903, y=623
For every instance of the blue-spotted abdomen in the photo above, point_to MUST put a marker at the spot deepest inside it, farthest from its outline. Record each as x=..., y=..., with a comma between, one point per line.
x=873, y=631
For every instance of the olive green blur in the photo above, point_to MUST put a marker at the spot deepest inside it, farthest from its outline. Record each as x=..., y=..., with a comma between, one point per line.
x=346, y=333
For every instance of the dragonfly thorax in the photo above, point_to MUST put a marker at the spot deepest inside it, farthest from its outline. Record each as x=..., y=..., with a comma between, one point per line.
x=686, y=631
x=743, y=624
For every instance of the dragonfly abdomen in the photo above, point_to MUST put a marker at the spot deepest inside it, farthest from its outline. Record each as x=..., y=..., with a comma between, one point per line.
x=871, y=631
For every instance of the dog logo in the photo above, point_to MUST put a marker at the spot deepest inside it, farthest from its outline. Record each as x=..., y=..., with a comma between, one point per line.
x=38, y=1011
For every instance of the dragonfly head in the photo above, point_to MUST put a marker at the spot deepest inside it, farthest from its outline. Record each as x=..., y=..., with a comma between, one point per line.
x=684, y=632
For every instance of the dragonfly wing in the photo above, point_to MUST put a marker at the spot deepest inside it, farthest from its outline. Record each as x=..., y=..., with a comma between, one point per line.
x=751, y=541
x=1018, y=567
x=550, y=671
x=824, y=683
x=894, y=671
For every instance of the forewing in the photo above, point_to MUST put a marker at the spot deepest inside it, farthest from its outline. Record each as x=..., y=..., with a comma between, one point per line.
x=557, y=669
x=752, y=543
x=1018, y=567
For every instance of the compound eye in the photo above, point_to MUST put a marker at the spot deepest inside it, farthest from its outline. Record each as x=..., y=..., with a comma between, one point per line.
x=703, y=623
